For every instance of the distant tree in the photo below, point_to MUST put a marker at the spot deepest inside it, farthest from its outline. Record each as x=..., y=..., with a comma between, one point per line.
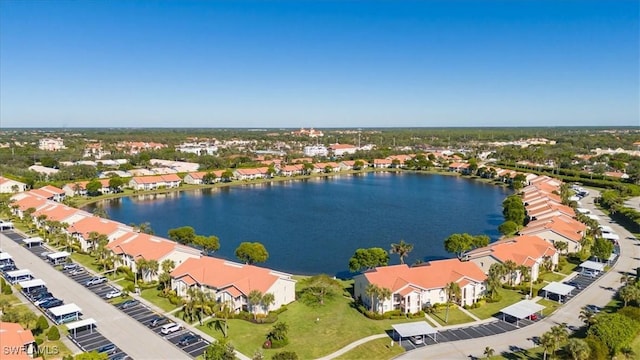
x=602, y=249
x=144, y=228
x=402, y=249
x=508, y=228
x=227, y=175
x=99, y=211
x=307, y=168
x=93, y=187
x=252, y=252
x=358, y=164
x=116, y=183
x=209, y=178
x=318, y=288
x=368, y=259
x=208, y=243
x=513, y=209
x=184, y=235
x=479, y=241
x=458, y=243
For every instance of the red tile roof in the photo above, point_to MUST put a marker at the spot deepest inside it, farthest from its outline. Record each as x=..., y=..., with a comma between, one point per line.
x=93, y=224
x=432, y=275
x=13, y=338
x=140, y=245
x=221, y=274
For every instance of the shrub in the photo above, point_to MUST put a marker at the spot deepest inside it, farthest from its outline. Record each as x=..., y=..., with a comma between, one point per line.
x=53, y=334
x=276, y=344
x=599, y=350
x=285, y=355
x=130, y=288
x=7, y=290
x=39, y=341
x=631, y=312
x=41, y=325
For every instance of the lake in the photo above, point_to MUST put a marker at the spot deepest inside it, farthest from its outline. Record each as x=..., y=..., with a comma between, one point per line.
x=314, y=226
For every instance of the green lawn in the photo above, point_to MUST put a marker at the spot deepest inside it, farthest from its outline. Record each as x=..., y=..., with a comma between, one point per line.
x=549, y=306
x=456, y=316
x=85, y=260
x=489, y=309
x=549, y=276
x=635, y=345
x=376, y=349
x=151, y=295
x=339, y=324
x=535, y=353
x=568, y=268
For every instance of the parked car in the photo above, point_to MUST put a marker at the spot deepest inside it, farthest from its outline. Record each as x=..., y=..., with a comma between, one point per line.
x=43, y=300
x=40, y=296
x=68, y=318
x=96, y=280
x=113, y=294
x=127, y=304
x=52, y=303
x=77, y=271
x=44, y=254
x=533, y=317
x=188, y=339
x=70, y=266
x=591, y=273
x=170, y=328
x=575, y=285
x=417, y=340
x=593, y=308
x=8, y=267
x=157, y=320
x=108, y=349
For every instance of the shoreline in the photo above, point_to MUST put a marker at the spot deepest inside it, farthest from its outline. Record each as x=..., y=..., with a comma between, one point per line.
x=81, y=204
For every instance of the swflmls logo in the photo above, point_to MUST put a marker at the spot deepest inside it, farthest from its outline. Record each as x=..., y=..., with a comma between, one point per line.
x=20, y=350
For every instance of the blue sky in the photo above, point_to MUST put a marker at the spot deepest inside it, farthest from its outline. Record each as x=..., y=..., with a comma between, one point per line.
x=320, y=64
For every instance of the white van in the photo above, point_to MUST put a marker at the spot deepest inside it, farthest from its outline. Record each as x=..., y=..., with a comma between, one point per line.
x=170, y=328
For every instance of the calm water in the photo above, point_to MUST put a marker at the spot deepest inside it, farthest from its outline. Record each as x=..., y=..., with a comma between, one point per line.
x=315, y=226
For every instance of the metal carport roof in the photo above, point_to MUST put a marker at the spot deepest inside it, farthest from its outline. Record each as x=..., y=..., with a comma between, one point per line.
x=18, y=273
x=32, y=240
x=5, y=256
x=65, y=309
x=610, y=236
x=592, y=265
x=418, y=328
x=58, y=255
x=74, y=326
x=522, y=309
x=31, y=283
x=559, y=288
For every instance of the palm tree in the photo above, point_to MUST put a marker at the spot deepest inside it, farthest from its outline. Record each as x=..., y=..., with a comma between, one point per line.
x=453, y=293
x=152, y=268
x=496, y=272
x=561, y=246
x=382, y=295
x=547, y=341
x=587, y=316
x=267, y=300
x=253, y=300
x=510, y=268
x=560, y=335
x=488, y=352
x=141, y=267
x=578, y=349
x=372, y=291
x=629, y=293
x=223, y=312
x=402, y=249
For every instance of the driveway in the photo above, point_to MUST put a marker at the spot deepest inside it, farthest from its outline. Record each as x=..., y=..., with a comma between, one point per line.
x=522, y=338
x=125, y=332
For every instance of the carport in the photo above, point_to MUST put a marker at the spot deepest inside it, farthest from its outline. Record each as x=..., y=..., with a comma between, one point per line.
x=5, y=258
x=60, y=313
x=419, y=328
x=559, y=289
x=606, y=229
x=58, y=257
x=28, y=285
x=522, y=310
x=593, y=217
x=592, y=265
x=19, y=275
x=611, y=236
x=74, y=326
x=32, y=241
x=583, y=211
x=6, y=225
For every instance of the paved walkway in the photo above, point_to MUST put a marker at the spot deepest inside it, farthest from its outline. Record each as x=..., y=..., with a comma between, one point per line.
x=522, y=338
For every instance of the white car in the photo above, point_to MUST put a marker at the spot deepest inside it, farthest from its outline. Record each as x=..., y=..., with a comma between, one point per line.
x=170, y=328
x=113, y=294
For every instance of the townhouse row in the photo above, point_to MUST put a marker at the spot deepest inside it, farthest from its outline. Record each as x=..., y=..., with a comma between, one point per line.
x=227, y=281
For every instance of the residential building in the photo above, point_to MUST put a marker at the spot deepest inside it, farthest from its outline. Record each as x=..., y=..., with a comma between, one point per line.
x=8, y=186
x=251, y=174
x=413, y=288
x=526, y=250
x=17, y=343
x=342, y=149
x=231, y=282
x=80, y=188
x=382, y=163
x=556, y=228
x=132, y=246
x=292, y=170
x=316, y=150
x=196, y=178
x=155, y=182
x=48, y=144
x=82, y=230
x=202, y=148
x=43, y=170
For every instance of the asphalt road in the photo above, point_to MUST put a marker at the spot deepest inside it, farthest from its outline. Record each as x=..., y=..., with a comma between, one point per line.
x=597, y=294
x=126, y=333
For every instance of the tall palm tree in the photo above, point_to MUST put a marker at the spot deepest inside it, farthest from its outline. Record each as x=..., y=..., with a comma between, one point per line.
x=382, y=295
x=587, y=316
x=496, y=272
x=548, y=343
x=510, y=267
x=152, y=268
x=402, y=249
x=560, y=334
x=267, y=300
x=253, y=300
x=453, y=293
x=372, y=291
